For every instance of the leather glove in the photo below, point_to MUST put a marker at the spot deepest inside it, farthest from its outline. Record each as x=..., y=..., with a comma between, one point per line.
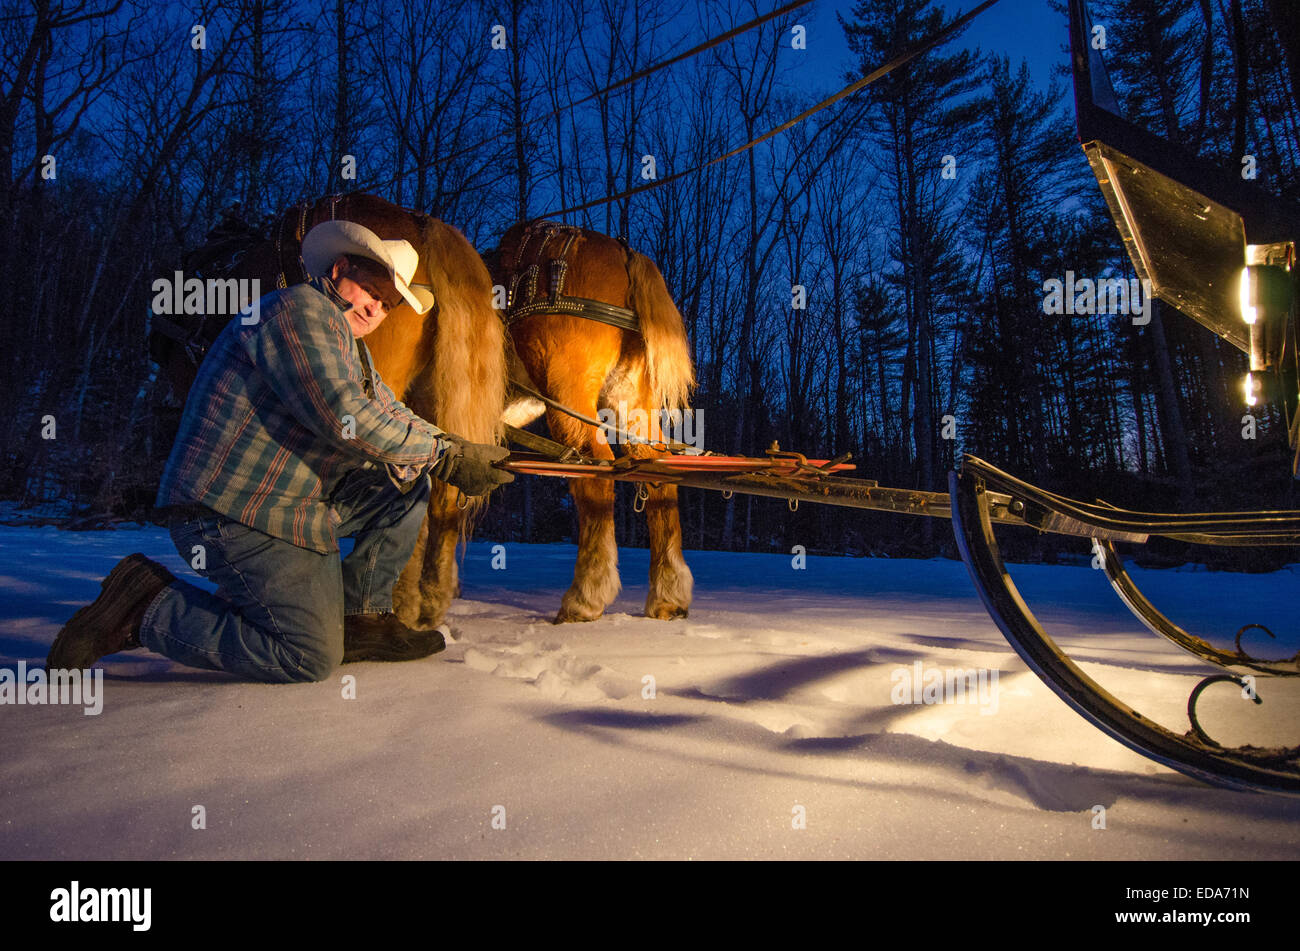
x=468, y=466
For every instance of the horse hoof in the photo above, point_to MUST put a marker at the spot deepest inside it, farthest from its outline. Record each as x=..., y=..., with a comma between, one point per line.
x=667, y=612
x=566, y=616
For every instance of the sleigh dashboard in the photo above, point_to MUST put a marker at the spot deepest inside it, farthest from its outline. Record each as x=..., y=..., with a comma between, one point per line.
x=1210, y=241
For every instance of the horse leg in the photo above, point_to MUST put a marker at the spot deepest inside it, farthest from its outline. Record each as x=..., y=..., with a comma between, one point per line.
x=440, y=579
x=595, y=576
x=430, y=579
x=406, y=590
x=671, y=582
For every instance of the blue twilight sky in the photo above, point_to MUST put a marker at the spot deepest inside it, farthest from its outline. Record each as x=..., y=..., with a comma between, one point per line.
x=1021, y=29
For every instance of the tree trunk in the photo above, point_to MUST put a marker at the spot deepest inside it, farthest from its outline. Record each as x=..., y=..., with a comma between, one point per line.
x=1171, y=417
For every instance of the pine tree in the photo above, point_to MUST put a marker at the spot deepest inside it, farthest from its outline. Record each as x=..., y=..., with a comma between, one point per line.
x=921, y=113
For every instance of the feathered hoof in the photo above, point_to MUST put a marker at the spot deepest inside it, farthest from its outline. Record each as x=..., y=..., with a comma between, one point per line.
x=423, y=615
x=569, y=615
x=666, y=612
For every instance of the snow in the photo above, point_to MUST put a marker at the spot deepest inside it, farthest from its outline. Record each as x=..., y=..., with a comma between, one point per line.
x=774, y=695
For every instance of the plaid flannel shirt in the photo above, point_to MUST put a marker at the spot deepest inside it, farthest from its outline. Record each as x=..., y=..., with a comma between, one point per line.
x=280, y=412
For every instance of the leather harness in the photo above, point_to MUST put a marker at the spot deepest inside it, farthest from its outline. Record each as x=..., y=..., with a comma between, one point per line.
x=282, y=278
x=522, y=298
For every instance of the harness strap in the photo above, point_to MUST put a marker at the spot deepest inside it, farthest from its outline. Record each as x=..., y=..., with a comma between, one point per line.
x=580, y=307
x=547, y=447
x=300, y=234
x=519, y=306
x=367, y=370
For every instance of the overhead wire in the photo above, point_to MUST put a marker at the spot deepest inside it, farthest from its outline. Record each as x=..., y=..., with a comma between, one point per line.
x=826, y=103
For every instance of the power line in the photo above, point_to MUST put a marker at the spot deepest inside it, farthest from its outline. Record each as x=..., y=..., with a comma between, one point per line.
x=639, y=74
x=848, y=90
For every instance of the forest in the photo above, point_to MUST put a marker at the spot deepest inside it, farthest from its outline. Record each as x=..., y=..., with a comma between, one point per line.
x=872, y=280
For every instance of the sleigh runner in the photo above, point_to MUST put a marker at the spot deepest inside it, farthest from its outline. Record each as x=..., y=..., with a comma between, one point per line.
x=980, y=497
x=1208, y=243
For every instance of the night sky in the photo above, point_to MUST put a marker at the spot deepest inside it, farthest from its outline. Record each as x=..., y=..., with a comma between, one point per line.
x=1021, y=29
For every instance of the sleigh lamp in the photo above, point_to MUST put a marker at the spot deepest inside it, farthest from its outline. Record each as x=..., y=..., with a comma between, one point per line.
x=1211, y=242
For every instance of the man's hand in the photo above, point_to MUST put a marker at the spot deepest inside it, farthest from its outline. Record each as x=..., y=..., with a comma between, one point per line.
x=468, y=466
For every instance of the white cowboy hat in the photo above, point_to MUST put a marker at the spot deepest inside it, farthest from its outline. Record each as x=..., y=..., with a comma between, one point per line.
x=329, y=239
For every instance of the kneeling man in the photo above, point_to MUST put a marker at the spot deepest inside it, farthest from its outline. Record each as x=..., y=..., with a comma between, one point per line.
x=290, y=440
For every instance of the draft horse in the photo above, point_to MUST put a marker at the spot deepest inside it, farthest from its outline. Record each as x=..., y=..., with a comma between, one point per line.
x=592, y=325
x=458, y=367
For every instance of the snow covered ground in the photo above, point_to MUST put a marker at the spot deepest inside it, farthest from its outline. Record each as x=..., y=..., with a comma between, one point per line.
x=772, y=731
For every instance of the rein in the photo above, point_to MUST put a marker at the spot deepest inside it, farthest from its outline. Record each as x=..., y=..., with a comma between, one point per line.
x=669, y=445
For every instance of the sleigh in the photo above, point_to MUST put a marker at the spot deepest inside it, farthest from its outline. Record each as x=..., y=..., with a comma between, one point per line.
x=1209, y=242
x=1220, y=250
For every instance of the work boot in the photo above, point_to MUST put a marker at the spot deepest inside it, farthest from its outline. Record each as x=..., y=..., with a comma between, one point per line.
x=384, y=637
x=111, y=622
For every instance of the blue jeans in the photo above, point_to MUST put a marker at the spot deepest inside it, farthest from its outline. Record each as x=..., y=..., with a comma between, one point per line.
x=278, y=614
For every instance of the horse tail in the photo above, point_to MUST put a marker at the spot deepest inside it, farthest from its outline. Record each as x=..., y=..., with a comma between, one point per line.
x=668, y=352
x=469, y=367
